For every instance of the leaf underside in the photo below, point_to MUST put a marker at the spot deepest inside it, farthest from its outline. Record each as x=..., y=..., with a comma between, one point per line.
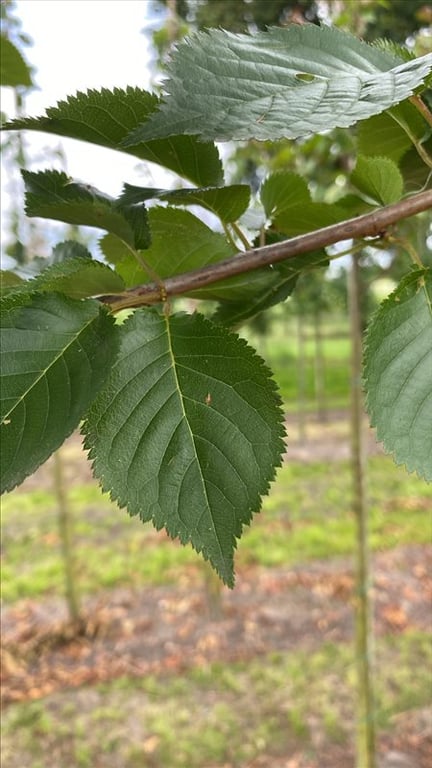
x=398, y=373
x=283, y=83
x=188, y=431
x=56, y=353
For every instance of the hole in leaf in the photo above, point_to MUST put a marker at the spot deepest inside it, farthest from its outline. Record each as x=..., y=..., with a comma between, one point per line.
x=305, y=77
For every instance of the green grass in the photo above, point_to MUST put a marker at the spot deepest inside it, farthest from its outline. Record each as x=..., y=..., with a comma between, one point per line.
x=111, y=547
x=217, y=714
x=280, y=351
x=306, y=516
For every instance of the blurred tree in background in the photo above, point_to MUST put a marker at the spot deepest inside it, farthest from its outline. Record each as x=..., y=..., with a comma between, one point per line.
x=241, y=15
x=16, y=74
x=394, y=19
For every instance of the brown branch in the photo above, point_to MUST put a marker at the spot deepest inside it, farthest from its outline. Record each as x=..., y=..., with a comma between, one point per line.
x=422, y=107
x=369, y=225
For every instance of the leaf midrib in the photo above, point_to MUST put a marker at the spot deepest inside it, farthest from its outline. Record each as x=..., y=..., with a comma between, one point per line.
x=180, y=396
x=45, y=371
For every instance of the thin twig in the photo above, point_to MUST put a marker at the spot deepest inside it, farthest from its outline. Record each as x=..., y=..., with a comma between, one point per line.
x=422, y=108
x=241, y=235
x=420, y=148
x=372, y=224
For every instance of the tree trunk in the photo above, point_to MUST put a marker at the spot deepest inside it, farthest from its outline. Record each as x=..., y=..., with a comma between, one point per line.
x=301, y=379
x=213, y=592
x=65, y=531
x=366, y=757
x=172, y=22
x=319, y=369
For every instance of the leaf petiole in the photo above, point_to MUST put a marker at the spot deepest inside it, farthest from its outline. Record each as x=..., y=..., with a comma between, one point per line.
x=427, y=159
x=408, y=247
x=150, y=271
x=422, y=108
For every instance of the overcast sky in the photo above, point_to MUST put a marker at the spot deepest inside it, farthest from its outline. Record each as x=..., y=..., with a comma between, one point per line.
x=81, y=44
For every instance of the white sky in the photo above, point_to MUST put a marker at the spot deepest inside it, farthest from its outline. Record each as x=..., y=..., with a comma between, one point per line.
x=77, y=45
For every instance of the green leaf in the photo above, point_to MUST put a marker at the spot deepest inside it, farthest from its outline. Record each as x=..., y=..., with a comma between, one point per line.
x=57, y=353
x=306, y=217
x=416, y=174
x=76, y=277
x=379, y=178
x=9, y=281
x=397, y=50
x=282, y=190
x=53, y=195
x=385, y=134
x=180, y=242
x=280, y=284
x=224, y=86
x=69, y=249
x=188, y=431
x=113, y=249
x=106, y=117
x=127, y=266
x=287, y=201
x=398, y=373
x=13, y=69
x=353, y=205
x=229, y=203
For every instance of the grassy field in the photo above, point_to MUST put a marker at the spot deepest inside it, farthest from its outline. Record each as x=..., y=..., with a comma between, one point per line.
x=218, y=715
x=305, y=517
x=281, y=354
x=214, y=715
